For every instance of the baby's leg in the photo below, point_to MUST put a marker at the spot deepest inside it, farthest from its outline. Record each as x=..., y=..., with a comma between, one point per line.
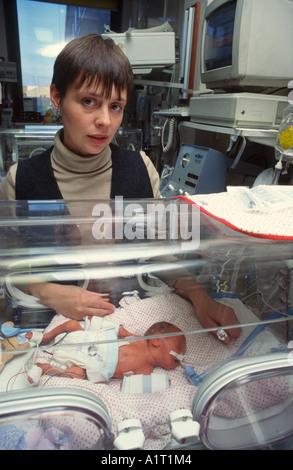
x=69, y=326
x=75, y=372
x=36, y=372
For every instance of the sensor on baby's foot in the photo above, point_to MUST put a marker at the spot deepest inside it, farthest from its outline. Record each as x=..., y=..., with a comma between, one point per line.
x=34, y=375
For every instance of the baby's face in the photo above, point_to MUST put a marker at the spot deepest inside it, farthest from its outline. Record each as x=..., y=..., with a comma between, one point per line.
x=176, y=344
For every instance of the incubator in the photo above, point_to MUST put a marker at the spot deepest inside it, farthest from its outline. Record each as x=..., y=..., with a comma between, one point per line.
x=219, y=395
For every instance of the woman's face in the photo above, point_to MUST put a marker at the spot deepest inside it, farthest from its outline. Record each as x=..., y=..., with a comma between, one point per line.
x=90, y=120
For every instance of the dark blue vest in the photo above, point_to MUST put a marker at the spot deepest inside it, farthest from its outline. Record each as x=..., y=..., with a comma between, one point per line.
x=35, y=179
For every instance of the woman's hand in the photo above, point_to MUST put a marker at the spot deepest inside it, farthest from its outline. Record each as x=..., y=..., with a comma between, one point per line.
x=71, y=301
x=210, y=313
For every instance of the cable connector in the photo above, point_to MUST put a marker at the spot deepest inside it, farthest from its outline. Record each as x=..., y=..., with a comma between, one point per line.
x=130, y=435
x=183, y=428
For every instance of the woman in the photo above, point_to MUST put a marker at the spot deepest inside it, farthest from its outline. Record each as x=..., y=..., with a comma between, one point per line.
x=91, y=83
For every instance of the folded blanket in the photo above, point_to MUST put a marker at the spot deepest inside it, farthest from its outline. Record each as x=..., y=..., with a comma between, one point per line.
x=263, y=211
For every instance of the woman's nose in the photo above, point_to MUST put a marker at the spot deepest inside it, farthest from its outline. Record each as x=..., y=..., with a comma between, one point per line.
x=102, y=117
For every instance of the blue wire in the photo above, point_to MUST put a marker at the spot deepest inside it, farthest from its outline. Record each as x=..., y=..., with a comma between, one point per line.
x=245, y=345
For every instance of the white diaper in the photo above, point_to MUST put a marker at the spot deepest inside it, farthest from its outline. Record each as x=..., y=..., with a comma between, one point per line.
x=99, y=323
x=95, y=351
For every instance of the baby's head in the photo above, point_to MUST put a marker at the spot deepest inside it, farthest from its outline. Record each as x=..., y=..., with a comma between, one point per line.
x=162, y=347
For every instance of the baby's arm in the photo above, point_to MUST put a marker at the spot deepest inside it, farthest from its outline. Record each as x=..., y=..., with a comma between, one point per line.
x=67, y=327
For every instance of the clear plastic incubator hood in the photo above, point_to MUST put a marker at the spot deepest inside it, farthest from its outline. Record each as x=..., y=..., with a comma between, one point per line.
x=216, y=267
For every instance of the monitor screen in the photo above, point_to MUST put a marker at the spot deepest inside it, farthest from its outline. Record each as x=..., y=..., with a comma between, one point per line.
x=240, y=51
x=219, y=37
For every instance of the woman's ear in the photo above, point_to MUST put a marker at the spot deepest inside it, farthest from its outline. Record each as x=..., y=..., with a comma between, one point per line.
x=55, y=96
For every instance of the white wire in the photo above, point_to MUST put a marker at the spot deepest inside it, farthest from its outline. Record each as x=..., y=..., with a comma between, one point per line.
x=171, y=123
x=39, y=149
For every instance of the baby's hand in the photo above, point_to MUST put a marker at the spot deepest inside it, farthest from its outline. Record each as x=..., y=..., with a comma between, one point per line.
x=123, y=333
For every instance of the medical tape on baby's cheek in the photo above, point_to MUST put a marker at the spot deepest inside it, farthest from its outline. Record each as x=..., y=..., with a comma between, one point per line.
x=180, y=357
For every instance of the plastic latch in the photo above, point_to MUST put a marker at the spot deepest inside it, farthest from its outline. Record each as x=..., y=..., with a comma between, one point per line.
x=130, y=435
x=183, y=428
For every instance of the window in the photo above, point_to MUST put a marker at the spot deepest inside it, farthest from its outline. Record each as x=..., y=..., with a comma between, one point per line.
x=44, y=29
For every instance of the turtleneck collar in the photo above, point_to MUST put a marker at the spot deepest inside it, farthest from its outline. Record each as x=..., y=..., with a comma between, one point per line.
x=81, y=177
x=65, y=161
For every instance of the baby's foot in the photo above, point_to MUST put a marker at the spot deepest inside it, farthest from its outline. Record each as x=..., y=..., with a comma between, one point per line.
x=34, y=375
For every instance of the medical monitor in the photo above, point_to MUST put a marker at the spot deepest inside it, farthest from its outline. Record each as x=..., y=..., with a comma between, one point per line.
x=247, y=44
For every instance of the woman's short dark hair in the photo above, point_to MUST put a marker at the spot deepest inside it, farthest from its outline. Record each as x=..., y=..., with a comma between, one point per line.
x=95, y=61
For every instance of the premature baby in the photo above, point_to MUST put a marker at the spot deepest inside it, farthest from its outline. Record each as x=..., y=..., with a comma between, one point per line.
x=90, y=349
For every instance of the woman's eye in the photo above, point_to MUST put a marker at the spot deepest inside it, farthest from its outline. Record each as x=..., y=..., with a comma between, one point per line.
x=116, y=107
x=89, y=102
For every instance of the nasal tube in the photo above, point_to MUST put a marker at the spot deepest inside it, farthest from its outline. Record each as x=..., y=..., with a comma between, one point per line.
x=189, y=371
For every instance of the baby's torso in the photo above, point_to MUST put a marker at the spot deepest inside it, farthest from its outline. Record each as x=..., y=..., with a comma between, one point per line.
x=132, y=359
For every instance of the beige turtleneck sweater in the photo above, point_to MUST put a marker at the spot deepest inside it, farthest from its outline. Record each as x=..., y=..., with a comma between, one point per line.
x=79, y=177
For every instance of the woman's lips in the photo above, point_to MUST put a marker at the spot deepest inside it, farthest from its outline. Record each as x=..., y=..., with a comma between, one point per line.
x=97, y=138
